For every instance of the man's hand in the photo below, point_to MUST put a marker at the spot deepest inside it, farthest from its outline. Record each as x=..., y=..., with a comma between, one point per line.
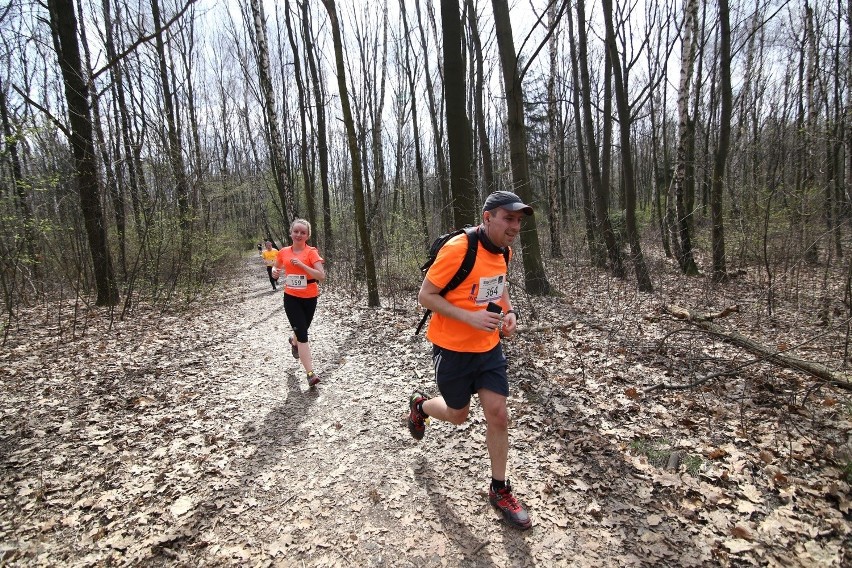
x=510, y=324
x=483, y=320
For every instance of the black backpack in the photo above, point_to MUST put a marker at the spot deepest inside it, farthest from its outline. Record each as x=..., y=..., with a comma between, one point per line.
x=466, y=265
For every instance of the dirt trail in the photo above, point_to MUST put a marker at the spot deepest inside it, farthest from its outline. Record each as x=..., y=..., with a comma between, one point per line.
x=337, y=479
x=194, y=440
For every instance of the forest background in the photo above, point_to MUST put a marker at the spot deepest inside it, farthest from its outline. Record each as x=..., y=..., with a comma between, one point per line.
x=672, y=145
x=696, y=128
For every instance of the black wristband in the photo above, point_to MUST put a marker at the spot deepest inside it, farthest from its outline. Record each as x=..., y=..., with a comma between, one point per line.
x=517, y=317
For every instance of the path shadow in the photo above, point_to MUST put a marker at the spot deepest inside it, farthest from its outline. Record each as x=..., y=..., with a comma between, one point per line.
x=278, y=432
x=475, y=549
x=276, y=311
x=280, y=426
x=261, y=293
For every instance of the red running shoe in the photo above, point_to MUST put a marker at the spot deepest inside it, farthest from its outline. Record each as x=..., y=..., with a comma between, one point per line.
x=416, y=418
x=512, y=510
x=313, y=379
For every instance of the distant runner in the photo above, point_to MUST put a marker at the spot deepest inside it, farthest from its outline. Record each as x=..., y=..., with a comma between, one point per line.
x=303, y=268
x=269, y=255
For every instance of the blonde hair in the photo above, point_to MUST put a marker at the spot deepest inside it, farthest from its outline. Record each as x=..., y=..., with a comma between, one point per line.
x=300, y=221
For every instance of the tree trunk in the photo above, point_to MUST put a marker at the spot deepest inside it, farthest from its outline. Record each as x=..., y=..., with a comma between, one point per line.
x=535, y=278
x=377, y=106
x=415, y=126
x=437, y=132
x=273, y=132
x=721, y=157
x=64, y=25
x=310, y=198
x=175, y=143
x=114, y=190
x=117, y=86
x=459, y=136
x=478, y=107
x=597, y=252
x=661, y=177
x=322, y=136
x=769, y=354
x=352, y=140
x=848, y=116
x=643, y=279
x=552, y=179
x=677, y=209
x=599, y=186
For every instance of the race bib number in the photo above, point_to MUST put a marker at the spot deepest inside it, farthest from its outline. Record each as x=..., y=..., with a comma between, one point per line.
x=490, y=289
x=296, y=281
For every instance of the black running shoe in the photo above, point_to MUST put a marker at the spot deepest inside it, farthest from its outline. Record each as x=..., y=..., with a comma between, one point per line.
x=294, y=348
x=512, y=510
x=416, y=418
x=313, y=379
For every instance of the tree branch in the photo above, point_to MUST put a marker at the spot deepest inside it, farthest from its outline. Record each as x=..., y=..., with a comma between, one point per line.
x=543, y=41
x=777, y=357
x=140, y=41
x=47, y=113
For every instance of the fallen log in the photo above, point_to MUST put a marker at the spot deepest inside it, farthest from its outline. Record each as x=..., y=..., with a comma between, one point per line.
x=775, y=356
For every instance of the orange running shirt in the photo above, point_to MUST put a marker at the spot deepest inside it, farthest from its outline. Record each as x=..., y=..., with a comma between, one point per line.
x=484, y=284
x=269, y=256
x=295, y=279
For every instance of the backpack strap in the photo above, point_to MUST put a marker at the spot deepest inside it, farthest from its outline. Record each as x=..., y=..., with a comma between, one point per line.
x=463, y=270
x=467, y=262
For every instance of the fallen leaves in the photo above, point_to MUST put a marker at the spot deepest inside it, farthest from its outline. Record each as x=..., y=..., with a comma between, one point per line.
x=153, y=453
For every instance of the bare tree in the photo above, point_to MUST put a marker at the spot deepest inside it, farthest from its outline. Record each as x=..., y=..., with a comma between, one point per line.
x=459, y=135
x=484, y=143
x=437, y=130
x=352, y=143
x=659, y=146
x=681, y=240
x=597, y=252
x=175, y=142
x=110, y=181
x=11, y=134
x=553, y=138
x=125, y=161
x=64, y=26
x=848, y=113
x=189, y=57
x=723, y=144
x=410, y=74
x=320, y=129
x=598, y=165
x=620, y=77
x=276, y=150
x=304, y=145
x=535, y=278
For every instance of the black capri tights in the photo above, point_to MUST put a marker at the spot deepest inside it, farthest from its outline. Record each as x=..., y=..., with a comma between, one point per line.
x=300, y=313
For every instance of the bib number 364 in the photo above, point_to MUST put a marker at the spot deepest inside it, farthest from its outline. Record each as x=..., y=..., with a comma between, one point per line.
x=490, y=289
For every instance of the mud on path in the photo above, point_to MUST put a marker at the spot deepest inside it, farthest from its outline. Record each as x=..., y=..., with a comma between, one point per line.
x=193, y=439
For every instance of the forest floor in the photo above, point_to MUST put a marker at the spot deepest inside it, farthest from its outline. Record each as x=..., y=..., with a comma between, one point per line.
x=191, y=438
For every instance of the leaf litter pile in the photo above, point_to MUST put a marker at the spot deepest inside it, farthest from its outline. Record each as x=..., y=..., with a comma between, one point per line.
x=192, y=438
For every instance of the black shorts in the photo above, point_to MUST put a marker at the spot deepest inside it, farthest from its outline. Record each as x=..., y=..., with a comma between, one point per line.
x=300, y=314
x=459, y=374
